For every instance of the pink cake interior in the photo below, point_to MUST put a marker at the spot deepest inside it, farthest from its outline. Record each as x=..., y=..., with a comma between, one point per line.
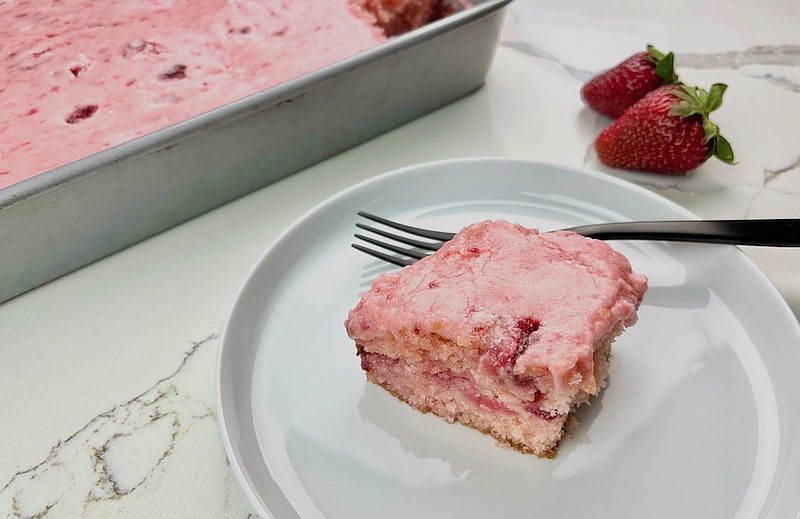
x=504, y=329
x=80, y=76
x=400, y=16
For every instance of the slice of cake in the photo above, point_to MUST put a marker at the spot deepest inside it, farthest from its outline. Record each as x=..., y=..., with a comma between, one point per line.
x=504, y=329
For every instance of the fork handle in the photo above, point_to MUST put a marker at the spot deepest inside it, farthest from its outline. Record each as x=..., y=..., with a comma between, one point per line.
x=781, y=232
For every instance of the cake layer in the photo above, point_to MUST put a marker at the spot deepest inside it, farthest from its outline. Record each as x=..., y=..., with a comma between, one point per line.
x=518, y=415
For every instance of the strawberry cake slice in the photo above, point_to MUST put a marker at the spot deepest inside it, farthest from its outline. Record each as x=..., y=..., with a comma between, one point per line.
x=504, y=329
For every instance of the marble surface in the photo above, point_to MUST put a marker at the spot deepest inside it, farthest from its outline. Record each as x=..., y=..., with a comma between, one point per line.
x=107, y=374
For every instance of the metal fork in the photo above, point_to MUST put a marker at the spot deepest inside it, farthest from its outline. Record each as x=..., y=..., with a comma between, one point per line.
x=780, y=232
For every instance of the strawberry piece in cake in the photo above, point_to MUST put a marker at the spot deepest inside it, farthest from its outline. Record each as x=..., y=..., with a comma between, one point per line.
x=504, y=329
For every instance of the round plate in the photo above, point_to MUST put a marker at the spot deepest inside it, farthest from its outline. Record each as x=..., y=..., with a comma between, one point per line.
x=701, y=416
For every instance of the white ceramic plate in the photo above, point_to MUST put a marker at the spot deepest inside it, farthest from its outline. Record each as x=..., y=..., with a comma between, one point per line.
x=701, y=417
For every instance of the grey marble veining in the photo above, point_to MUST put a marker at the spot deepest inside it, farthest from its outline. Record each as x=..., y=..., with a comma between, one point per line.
x=766, y=62
x=118, y=455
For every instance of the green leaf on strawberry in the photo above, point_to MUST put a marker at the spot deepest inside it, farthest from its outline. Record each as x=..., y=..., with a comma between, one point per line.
x=665, y=64
x=697, y=101
x=715, y=96
x=723, y=150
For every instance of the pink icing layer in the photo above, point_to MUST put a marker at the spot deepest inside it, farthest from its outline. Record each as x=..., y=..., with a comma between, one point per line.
x=533, y=301
x=79, y=76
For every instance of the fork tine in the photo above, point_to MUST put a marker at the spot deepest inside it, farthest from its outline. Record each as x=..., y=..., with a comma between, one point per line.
x=402, y=239
x=418, y=231
x=394, y=260
x=406, y=256
x=394, y=248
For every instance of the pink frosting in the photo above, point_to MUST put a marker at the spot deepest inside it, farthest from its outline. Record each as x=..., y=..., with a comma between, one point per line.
x=532, y=300
x=79, y=76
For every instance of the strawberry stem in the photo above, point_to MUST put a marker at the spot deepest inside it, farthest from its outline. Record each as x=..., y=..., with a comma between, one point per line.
x=696, y=101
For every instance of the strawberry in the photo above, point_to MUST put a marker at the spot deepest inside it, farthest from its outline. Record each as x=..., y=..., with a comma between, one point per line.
x=666, y=131
x=614, y=90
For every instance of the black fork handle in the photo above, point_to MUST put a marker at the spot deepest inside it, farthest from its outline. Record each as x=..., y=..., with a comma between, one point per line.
x=779, y=232
x=775, y=232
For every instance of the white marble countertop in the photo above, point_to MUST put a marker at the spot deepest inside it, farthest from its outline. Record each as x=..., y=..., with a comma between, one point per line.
x=107, y=374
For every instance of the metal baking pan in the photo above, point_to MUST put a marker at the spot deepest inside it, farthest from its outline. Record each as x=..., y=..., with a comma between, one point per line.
x=73, y=215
